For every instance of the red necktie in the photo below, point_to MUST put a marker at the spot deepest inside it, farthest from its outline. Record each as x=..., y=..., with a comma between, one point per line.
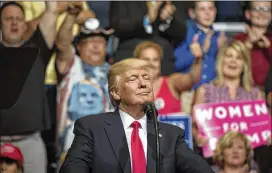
x=137, y=150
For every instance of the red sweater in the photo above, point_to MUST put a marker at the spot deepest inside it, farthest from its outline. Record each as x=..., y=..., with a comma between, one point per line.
x=261, y=60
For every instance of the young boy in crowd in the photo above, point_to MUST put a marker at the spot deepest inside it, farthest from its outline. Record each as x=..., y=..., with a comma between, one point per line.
x=258, y=39
x=203, y=14
x=11, y=159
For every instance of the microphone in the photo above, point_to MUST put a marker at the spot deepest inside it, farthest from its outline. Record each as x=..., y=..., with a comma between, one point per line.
x=152, y=114
x=150, y=110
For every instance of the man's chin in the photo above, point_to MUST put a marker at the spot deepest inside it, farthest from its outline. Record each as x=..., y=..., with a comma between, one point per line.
x=146, y=100
x=96, y=60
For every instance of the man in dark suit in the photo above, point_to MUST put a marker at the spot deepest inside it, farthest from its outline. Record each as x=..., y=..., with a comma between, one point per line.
x=158, y=21
x=124, y=141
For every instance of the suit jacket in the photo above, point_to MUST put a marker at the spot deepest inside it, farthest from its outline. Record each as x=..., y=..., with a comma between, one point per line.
x=100, y=146
x=126, y=17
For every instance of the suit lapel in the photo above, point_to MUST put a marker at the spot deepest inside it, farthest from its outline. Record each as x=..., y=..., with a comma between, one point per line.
x=117, y=138
x=151, y=146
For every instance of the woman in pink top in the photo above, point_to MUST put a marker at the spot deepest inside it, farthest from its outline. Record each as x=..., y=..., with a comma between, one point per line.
x=167, y=90
x=233, y=83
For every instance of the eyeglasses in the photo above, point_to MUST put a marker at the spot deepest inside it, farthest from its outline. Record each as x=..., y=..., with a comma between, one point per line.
x=261, y=9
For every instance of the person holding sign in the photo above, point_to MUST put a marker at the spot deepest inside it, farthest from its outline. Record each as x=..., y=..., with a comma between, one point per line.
x=167, y=90
x=233, y=83
x=233, y=153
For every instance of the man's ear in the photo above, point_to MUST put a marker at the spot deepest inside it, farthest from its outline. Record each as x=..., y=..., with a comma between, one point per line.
x=115, y=94
x=247, y=15
x=191, y=13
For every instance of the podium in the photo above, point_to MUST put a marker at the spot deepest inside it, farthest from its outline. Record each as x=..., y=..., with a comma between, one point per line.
x=15, y=66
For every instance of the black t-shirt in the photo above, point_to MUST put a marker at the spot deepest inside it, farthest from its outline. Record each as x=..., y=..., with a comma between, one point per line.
x=31, y=112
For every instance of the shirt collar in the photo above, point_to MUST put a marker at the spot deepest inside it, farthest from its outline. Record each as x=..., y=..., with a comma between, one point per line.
x=128, y=120
x=197, y=29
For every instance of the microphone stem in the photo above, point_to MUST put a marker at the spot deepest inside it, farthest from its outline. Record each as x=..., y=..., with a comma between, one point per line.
x=157, y=144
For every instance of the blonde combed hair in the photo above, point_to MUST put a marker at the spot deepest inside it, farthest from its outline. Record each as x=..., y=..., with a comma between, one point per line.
x=117, y=71
x=244, y=52
x=145, y=45
x=225, y=142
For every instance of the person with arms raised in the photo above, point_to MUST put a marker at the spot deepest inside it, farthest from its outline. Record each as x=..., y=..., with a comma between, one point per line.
x=21, y=125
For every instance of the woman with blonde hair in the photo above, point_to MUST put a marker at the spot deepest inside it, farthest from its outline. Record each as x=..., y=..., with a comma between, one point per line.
x=167, y=90
x=233, y=83
x=233, y=154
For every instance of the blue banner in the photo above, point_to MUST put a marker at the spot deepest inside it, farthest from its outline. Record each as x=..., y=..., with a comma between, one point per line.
x=181, y=120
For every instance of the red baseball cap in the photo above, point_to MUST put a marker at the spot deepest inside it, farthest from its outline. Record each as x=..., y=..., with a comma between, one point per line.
x=11, y=152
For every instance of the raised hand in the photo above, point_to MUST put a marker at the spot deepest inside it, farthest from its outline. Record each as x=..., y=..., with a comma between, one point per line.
x=222, y=39
x=201, y=140
x=153, y=10
x=62, y=6
x=207, y=42
x=52, y=6
x=167, y=11
x=75, y=7
x=195, y=47
x=253, y=35
x=264, y=42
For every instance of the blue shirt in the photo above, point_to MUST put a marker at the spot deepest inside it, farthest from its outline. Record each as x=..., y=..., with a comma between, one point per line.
x=184, y=58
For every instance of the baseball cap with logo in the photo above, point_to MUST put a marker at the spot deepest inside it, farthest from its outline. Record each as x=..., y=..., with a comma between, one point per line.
x=11, y=152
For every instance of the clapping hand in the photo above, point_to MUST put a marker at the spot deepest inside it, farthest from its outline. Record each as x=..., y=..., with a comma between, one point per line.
x=222, y=39
x=256, y=37
x=153, y=10
x=264, y=42
x=253, y=36
x=195, y=47
x=167, y=11
x=207, y=42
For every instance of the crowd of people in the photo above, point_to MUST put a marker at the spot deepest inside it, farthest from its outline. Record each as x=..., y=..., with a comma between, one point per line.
x=190, y=64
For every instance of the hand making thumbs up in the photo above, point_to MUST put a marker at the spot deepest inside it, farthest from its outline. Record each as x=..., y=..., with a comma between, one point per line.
x=195, y=47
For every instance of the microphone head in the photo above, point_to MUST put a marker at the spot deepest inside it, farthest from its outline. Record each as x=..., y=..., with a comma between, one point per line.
x=150, y=110
x=147, y=106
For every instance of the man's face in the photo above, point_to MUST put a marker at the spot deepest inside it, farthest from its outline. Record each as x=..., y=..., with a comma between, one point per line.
x=205, y=13
x=260, y=13
x=92, y=50
x=13, y=24
x=135, y=88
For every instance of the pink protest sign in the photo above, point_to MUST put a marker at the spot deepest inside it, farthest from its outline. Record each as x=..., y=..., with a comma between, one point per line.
x=249, y=117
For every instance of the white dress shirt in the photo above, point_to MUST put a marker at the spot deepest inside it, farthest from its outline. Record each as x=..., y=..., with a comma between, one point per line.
x=127, y=120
